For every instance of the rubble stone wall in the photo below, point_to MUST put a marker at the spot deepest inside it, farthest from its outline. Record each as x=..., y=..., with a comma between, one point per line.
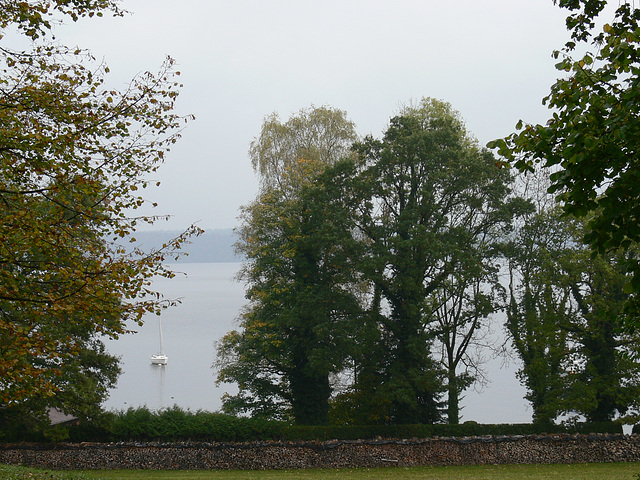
x=334, y=454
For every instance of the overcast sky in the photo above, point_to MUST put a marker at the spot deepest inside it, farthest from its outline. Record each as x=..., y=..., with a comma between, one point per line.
x=241, y=60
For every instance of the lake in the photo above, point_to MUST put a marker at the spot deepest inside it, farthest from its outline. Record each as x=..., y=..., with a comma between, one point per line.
x=211, y=302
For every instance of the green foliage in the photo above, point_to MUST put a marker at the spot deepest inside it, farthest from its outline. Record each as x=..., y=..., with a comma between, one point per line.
x=355, y=267
x=538, y=301
x=608, y=382
x=430, y=203
x=566, y=321
x=142, y=424
x=296, y=330
x=591, y=139
x=176, y=424
x=467, y=429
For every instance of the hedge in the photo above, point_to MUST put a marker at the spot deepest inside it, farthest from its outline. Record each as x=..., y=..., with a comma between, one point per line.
x=176, y=424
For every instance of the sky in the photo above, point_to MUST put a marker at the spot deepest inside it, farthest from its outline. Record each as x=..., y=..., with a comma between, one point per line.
x=242, y=60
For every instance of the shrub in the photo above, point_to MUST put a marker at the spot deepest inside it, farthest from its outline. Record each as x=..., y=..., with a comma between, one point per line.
x=176, y=424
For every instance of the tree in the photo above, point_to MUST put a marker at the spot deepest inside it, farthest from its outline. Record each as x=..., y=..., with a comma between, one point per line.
x=460, y=309
x=539, y=306
x=605, y=382
x=321, y=134
x=591, y=139
x=73, y=157
x=565, y=320
x=296, y=330
x=428, y=195
x=296, y=238
x=36, y=18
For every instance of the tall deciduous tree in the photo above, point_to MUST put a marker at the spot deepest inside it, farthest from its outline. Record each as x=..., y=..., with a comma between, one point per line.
x=74, y=156
x=539, y=310
x=460, y=310
x=592, y=138
x=296, y=237
x=429, y=195
x=606, y=379
x=566, y=321
x=298, y=326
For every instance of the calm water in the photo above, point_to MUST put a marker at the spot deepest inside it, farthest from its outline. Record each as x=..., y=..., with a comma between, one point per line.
x=211, y=302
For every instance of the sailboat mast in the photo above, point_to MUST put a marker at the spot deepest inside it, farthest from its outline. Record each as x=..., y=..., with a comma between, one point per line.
x=161, y=339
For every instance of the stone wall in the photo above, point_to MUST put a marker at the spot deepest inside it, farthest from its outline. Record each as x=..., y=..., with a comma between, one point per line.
x=337, y=454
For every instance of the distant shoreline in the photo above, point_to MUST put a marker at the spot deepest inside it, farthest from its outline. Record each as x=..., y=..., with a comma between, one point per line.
x=213, y=246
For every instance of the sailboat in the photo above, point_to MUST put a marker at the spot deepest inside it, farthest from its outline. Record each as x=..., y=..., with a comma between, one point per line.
x=160, y=358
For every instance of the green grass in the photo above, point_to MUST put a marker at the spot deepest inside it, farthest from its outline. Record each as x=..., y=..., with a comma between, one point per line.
x=617, y=471
x=8, y=472
x=593, y=471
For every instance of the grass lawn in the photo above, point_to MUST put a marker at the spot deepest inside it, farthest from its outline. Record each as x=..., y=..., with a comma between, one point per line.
x=617, y=471
x=594, y=471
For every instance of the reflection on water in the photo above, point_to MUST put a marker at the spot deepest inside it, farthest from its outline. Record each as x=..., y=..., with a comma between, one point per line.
x=160, y=371
x=211, y=302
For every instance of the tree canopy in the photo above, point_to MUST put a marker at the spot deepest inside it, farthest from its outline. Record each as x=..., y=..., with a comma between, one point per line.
x=295, y=236
x=36, y=18
x=591, y=139
x=431, y=201
x=322, y=135
x=352, y=261
x=369, y=278
x=74, y=157
x=565, y=320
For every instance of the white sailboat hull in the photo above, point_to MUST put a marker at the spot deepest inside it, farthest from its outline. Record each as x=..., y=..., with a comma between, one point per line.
x=159, y=359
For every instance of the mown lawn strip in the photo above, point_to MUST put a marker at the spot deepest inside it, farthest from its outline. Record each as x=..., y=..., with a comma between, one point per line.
x=591, y=471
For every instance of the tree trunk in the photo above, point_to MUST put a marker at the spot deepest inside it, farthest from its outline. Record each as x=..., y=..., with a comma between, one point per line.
x=453, y=407
x=310, y=397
